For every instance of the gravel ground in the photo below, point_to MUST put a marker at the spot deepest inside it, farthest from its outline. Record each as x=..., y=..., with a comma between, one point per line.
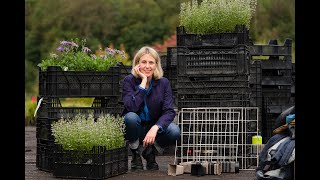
x=32, y=172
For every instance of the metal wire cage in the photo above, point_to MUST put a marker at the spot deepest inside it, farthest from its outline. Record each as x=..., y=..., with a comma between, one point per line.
x=218, y=134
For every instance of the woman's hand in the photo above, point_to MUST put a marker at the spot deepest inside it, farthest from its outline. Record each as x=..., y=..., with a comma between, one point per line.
x=139, y=73
x=151, y=136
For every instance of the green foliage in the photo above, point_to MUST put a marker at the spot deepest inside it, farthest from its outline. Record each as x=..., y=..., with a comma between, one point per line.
x=274, y=19
x=30, y=107
x=71, y=56
x=216, y=16
x=31, y=78
x=82, y=132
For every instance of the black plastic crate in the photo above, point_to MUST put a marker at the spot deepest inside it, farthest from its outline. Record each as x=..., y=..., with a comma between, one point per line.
x=268, y=125
x=272, y=49
x=172, y=56
x=280, y=80
x=58, y=83
x=276, y=65
x=213, y=84
x=51, y=110
x=239, y=36
x=255, y=72
x=98, y=163
x=163, y=59
x=44, y=155
x=213, y=61
x=276, y=101
x=276, y=109
x=194, y=101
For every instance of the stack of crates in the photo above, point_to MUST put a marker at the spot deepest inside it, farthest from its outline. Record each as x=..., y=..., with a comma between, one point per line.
x=212, y=69
x=170, y=72
x=274, y=82
x=54, y=84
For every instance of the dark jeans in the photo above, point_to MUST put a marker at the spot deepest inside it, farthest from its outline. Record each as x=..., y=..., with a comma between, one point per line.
x=136, y=129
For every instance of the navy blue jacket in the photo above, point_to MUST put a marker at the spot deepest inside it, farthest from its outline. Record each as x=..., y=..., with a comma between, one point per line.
x=159, y=100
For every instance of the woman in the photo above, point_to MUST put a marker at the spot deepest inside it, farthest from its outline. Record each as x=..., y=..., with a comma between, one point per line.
x=148, y=109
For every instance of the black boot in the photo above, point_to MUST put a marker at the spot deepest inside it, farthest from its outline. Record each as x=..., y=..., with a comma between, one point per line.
x=150, y=155
x=136, y=162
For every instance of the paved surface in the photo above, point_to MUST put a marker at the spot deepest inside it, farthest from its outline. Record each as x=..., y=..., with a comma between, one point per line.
x=32, y=172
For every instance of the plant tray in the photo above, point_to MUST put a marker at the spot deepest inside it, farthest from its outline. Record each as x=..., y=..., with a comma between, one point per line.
x=58, y=83
x=98, y=163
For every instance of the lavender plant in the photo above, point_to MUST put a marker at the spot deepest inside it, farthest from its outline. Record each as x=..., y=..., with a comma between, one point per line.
x=81, y=133
x=71, y=56
x=216, y=16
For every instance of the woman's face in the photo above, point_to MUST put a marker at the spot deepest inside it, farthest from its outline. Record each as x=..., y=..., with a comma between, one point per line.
x=147, y=65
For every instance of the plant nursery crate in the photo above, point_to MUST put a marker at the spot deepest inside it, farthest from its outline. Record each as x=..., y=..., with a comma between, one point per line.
x=276, y=64
x=172, y=56
x=239, y=36
x=272, y=80
x=99, y=163
x=193, y=101
x=212, y=61
x=212, y=84
x=272, y=49
x=276, y=101
x=59, y=83
x=268, y=125
x=163, y=59
x=43, y=129
x=50, y=107
x=255, y=72
x=276, y=73
x=276, y=109
x=276, y=91
x=44, y=155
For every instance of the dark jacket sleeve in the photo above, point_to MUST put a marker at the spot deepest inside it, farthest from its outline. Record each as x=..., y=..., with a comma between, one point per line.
x=168, y=112
x=132, y=95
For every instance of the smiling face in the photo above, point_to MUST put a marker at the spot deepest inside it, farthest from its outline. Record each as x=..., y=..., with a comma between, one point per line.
x=147, y=65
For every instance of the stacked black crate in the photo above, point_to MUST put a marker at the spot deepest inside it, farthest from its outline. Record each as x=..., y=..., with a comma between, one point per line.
x=293, y=83
x=213, y=69
x=255, y=88
x=276, y=82
x=171, y=72
x=55, y=84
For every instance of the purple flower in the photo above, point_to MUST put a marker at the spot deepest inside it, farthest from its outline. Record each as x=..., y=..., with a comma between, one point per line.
x=60, y=48
x=93, y=56
x=74, y=44
x=110, y=51
x=64, y=42
x=86, y=49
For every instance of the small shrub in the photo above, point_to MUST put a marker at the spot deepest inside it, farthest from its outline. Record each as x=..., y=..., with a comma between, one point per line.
x=216, y=16
x=83, y=132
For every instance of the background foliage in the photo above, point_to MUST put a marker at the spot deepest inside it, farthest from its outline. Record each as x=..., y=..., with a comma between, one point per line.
x=127, y=25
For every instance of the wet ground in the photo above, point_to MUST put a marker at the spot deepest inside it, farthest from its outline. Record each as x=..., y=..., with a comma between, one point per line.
x=32, y=172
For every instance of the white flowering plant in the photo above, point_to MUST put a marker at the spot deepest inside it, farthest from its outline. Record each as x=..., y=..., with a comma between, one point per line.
x=82, y=133
x=216, y=16
x=70, y=56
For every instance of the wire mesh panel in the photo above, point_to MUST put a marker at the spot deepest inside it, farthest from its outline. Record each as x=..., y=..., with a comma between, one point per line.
x=218, y=134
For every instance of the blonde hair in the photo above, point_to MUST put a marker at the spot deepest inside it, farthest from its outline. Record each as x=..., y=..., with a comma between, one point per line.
x=158, y=72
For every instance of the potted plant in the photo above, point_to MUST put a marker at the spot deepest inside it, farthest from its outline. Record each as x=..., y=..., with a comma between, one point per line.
x=215, y=22
x=71, y=56
x=89, y=148
x=75, y=71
